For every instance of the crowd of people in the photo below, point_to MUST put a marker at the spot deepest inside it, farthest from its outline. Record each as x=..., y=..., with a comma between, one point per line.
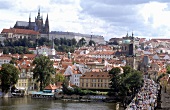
x=146, y=99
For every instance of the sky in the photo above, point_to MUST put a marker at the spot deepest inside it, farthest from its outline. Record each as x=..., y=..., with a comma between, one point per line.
x=109, y=18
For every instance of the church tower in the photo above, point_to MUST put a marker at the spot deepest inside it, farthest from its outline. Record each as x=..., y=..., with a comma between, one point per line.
x=128, y=50
x=39, y=22
x=47, y=25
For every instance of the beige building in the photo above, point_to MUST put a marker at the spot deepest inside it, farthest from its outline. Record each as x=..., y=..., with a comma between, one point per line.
x=95, y=80
x=15, y=34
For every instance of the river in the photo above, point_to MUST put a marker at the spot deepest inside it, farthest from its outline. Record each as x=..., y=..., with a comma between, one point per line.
x=27, y=103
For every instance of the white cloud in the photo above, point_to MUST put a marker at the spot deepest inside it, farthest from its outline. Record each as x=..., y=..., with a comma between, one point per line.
x=108, y=18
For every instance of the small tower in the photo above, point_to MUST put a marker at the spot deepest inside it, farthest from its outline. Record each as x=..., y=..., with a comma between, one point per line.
x=91, y=36
x=53, y=49
x=30, y=21
x=127, y=35
x=37, y=46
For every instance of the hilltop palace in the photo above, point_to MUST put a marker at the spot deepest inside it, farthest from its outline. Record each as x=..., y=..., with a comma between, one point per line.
x=43, y=28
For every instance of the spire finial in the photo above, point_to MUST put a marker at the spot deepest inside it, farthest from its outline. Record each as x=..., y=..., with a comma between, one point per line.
x=30, y=17
x=127, y=34
x=39, y=11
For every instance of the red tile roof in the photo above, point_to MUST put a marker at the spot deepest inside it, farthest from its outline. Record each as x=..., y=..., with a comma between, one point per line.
x=20, y=31
x=50, y=87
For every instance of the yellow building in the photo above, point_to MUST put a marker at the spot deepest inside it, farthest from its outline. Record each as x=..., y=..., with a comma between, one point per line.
x=95, y=80
x=25, y=81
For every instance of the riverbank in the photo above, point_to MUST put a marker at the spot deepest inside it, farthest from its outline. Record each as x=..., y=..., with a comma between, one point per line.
x=85, y=98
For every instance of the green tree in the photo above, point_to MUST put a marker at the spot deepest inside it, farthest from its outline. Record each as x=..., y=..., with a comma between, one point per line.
x=43, y=71
x=13, y=61
x=91, y=42
x=115, y=81
x=168, y=69
x=134, y=81
x=9, y=75
x=82, y=42
x=126, y=70
x=59, y=77
x=57, y=41
x=73, y=41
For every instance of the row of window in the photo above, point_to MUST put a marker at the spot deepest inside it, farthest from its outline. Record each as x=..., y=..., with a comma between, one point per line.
x=76, y=79
x=5, y=61
x=22, y=80
x=22, y=84
x=95, y=85
x=94, y=80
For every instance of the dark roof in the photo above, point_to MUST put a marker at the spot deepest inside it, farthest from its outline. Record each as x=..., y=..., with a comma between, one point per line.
x=22, y=23
x=53, y=56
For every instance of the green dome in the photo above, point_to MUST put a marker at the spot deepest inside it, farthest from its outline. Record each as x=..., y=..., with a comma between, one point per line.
x=126, y=41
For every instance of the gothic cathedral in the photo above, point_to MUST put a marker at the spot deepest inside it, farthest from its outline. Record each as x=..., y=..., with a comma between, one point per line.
x=38, y=25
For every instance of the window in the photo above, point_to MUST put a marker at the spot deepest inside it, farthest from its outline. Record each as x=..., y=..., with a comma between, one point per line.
x=86, y=84
x=105, y=84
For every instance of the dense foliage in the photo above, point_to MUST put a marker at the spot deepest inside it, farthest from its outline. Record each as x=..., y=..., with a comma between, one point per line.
x=126, y=84
x=43, y=71
x=9, y=75
x=21, y=45
x=59, y=77
x=74, y=90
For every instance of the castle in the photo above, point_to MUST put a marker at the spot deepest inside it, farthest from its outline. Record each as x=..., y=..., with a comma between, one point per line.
x=38, y=25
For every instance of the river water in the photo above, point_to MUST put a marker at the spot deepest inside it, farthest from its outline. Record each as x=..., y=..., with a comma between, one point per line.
x=27, y=103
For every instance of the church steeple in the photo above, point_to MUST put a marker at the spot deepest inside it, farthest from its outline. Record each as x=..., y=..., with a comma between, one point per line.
x=30, y=18
x=53, y=49
x=127, y=35
x=53, y=43
x=38, y=17
x=39, y=11
x=47, y=25
x=30, y=21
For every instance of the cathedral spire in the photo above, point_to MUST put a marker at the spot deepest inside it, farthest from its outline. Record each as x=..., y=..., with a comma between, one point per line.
x=30, y=17
x=127, y=35
x=30, y=21
x=38, y=17
x=39, y=11
x=47, y=25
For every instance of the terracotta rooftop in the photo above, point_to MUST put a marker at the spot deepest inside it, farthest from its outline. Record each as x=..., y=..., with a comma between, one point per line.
x=20, y=31
x=50, y=87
